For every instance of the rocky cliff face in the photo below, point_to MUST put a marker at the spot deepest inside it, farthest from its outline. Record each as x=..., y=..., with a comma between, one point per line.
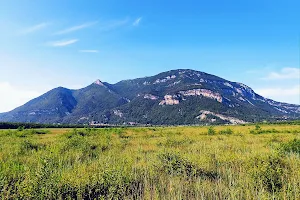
x=174, y=97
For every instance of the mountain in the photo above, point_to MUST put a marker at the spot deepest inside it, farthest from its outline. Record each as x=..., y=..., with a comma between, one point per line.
x=174, y=97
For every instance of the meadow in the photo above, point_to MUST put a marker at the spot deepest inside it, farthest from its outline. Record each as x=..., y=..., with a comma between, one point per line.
x=221, y=162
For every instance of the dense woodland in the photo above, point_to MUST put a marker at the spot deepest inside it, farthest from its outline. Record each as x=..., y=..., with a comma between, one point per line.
x=15, y=125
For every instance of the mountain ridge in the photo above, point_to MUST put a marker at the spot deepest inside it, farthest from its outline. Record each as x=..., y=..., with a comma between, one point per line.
x=181, y=96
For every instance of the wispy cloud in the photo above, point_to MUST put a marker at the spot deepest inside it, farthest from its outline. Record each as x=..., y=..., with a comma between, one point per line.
x=278, y=91
x=62, y=43
x=89, y=51
x=35, y=28
x=284, y=73
x=113, y=24
x=76, y=28
x=291, y=94
x=137, y=21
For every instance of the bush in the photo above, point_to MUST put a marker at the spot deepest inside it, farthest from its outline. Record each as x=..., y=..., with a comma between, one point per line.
x=39, y=132
x=80, y=132
x=211, y=131
x=291, y=147
x=259, y=130
x=175, y=142
x=20, y=128
x=23, y=133
x=227, y=131
x=175, y=165
x=28, y=145
x=270, y=171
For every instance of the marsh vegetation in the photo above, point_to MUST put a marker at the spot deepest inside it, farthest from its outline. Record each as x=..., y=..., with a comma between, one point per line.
x=221, y=162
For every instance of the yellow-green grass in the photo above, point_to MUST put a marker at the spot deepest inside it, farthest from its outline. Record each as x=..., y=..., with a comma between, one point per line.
x=246, y=162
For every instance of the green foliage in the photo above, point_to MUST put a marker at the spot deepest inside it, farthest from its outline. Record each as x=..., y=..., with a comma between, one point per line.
x=259, y=130
x=211, y=131
x=26, y=132
x=39, y=131
x=269, y=171
x=178, y=142
x=22, y=126
x=227, y=131
x=81, y=132
x=149, y=163
x=27, y=145
x=291, y=146
x=175, y=165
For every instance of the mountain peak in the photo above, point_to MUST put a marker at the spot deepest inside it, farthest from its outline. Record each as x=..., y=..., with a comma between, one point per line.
x=98, y=82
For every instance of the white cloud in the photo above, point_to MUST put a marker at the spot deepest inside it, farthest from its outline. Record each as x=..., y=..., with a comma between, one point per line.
x=62, y=43
x=76, y=28
x=35, y=28
x=12, y=97
x=284, y=73
x=113, y=24
x=137, y=21
x=104, y=26
x=89, y=51
x=289, y=95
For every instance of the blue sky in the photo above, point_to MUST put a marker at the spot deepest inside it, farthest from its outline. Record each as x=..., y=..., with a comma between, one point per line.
x=46, y=44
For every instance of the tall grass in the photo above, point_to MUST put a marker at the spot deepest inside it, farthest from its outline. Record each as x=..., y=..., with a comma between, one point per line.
x=236, y=162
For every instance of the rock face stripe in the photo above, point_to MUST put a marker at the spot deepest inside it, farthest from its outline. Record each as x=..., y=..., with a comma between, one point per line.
x=169, y=100
x=203, y=92
x=232, y=120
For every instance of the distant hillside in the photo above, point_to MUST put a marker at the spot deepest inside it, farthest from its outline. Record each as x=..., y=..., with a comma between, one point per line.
x=174, y=97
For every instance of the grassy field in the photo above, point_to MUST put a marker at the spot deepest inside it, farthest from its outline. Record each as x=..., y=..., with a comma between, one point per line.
x=223, y=162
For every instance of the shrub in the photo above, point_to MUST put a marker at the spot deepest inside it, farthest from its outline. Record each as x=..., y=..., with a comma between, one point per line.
x=227, y=131
x=39, y=132
x=291, y=147
x=259, y=130
x=28, y=145
x=269, y=171
x=211, y=131
x=80, y=132
x=175, y=165
x=23, y=133
x=174, y=142
x=21, y=128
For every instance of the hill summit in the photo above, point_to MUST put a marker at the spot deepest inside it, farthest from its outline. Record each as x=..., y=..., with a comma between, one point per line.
x=174, y=97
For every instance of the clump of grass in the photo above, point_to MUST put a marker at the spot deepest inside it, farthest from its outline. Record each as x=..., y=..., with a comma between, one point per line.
x=121, y=134
x=22, y=134
x=227, y=131
x=259, y=130
x=270, y=171
x=291, y=146
x=88, y=143
x=81, y=132
x=175, y=165
x=177, y=142
x=211, y=131
x=21, y=128
x=28, y=145
x=39, y=132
